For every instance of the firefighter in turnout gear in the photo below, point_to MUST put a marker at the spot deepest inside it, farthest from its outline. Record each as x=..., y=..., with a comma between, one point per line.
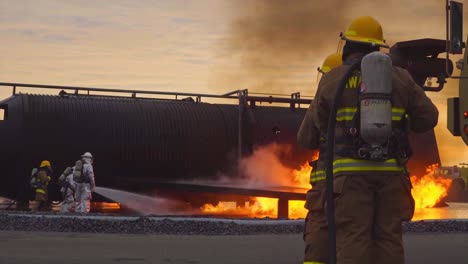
x=378, y=107
x=40, y=180
x=332, y=61
x=67, y=190
x=83, y=175
x=315, y=231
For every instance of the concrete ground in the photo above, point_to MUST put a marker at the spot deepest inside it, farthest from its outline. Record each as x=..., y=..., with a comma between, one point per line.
x=33, y=247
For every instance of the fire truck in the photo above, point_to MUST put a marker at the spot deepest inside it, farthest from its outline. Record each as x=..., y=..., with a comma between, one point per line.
x=459, y=188
x=457, y=107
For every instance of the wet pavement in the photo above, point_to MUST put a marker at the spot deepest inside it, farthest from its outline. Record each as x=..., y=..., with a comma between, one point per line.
x=34, y=247
x=452, y=211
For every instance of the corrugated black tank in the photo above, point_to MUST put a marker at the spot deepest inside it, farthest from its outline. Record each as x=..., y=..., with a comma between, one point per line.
x=149, y=139
x=130, y=137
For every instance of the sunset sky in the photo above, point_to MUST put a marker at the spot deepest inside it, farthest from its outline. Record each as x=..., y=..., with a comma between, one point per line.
x=203, y=46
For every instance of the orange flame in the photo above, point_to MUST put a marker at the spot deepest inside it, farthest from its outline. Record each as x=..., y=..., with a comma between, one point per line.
x=264, y=168
x=261, y=207
x=429, y=190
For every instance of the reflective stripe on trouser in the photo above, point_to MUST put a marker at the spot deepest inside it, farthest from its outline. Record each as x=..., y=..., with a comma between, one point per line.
x=82, y=195
x=368, y=218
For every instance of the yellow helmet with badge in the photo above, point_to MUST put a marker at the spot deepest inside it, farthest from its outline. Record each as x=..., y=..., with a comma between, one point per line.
x=332, y=61
x=45, y=163
x=365, y=29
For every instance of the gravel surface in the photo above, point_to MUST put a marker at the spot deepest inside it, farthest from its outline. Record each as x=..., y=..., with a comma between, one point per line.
x=97, y=223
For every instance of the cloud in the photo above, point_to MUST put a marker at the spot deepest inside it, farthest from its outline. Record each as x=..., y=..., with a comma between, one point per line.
x=207, y=46
x=141, y=44
x=182, y=20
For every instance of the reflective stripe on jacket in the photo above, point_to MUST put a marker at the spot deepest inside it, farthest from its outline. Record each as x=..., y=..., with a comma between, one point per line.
x=353, y=165
x=42, y=181
x=408, y=99
x=317, y=175
x=39, y=190
x=347, y=113
x=357, y=165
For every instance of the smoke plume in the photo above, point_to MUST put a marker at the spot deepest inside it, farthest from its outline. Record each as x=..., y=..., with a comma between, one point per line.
x=277, y=45
x=274, y=40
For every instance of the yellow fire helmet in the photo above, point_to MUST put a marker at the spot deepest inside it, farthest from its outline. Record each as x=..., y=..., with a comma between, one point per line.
x=330, y=62
x=45, y=163
x=365, y=29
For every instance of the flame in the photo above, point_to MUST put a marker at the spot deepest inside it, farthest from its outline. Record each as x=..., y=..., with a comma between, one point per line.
x=429, y=190
x=301, y=177
x=106, y=206
x=259, y=207
x=297, y=210
x=263, y=169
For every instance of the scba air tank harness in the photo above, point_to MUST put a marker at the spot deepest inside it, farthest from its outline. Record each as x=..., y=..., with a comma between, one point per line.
x=374, y=108
x=377, y=131
x=371, y=132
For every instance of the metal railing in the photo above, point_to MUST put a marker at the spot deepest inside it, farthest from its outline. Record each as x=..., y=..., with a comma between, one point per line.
x=293, y=99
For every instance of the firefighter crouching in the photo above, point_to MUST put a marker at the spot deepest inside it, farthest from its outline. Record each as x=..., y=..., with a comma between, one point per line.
x=372, y=190
x=316, y=232
x=40, y=180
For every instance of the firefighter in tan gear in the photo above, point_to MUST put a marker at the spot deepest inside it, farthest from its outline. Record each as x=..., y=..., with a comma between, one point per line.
x=315, y=231
x=331, y=61
x=372, y=190
x=40, y=180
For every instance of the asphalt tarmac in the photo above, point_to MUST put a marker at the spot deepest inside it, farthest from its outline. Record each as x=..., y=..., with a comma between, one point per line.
x=19, y=247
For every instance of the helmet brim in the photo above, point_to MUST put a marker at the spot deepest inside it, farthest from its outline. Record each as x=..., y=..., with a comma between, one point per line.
x=374, y=42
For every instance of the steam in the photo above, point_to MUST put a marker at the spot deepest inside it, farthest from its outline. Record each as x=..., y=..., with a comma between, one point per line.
x=265, y=168
x=270, y=167
x=143, y=204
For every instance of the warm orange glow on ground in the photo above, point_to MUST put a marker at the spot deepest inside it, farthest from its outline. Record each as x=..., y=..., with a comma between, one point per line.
x=429, y=190
x=262, y=207
x=106, y=205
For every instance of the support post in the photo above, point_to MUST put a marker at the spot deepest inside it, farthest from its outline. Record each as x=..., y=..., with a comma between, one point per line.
x=283, y=208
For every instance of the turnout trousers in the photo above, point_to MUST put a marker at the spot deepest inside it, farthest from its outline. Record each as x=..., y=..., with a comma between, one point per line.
x=68, y=201
x=82, y=197
x=41, y=201
x=315, y=228
x=369, y=209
